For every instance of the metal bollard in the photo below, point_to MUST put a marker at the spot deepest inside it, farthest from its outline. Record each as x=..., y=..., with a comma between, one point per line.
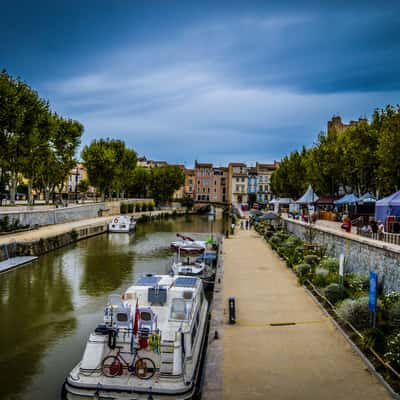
x=232, y=311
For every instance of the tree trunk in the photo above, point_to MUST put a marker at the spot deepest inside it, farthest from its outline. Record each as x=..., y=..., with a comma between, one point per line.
x=30, y=197
x=13, y=186
x=47, y=194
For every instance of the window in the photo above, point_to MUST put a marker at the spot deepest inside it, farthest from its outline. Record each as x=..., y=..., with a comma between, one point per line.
x=260, y=189
x=190, y=181
x=206, y=182
x=208, y=190
x=178, y=309
x=215, y=190
x=215, y=183
x=198, y=182
x=260, y=178
x=190, y=189
x=237, y=188
x=242, y=179
x=237, y=179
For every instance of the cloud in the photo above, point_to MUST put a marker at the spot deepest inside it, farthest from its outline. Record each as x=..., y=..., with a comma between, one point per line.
x=246, y=87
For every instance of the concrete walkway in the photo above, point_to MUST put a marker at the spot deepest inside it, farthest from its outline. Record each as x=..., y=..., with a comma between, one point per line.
x=309, y=360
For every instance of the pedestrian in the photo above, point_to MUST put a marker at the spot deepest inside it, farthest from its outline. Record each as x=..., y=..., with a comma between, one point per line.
x=241, y=225
x=247, y=224
x=232, y=228
x=374, y=227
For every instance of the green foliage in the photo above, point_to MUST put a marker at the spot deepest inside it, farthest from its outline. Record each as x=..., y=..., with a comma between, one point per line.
x=393, y=316
x=330, y=264
x=356, y=311
x=130, y=208
x=334, y=293
x=390, y=299
x=83, y=186
x=109, y=164
x=356, y=283
x=321, y=277
x=164, y=182
x=392, y=353
x=302, y=269
x=373, y=337
x=187, y=202
x=361, y=159
x=138, y=206
x=123, y=208
x=292, y=250
x=9, y=226
x=144, y=207
x=278, y=238
x=311, y=259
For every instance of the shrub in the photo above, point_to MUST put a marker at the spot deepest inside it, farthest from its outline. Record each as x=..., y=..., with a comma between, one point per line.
x=356, y=283
x=130, y=208
x=151, y=205
x=311, y=259
x=138, y=206
x=393, y=349
x=302, y=269
x=390, y=299
x=124, y=208
x=277, y=239
x=320, y=277
x=330, y=264
x=333, y=292
x=393, y=315
x=375, y=338
x=144, y=207
x=356, y=311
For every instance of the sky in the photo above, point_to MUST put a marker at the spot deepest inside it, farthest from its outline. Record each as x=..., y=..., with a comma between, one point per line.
x=213, y=81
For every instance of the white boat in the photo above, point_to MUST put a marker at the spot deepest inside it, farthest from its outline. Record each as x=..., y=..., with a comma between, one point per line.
x=150, y=345
x=122, y=224
x=187, y=244
x=191, y=268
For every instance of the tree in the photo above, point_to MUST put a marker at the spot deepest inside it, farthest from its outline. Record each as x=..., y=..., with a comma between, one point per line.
x=164, y=181
x=83, y=186
x=139, y=182
x=109, y=165
x=388, y=171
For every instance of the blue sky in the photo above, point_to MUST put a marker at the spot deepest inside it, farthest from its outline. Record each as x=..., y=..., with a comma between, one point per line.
x=215, y=81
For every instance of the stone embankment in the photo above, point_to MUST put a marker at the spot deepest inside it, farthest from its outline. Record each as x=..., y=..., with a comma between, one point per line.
x=361, y=254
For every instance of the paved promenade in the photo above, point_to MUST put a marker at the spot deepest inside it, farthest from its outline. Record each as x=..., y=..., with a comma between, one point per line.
x=309, y=360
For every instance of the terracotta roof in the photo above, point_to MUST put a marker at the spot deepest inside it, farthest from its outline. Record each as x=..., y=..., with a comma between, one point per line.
x=234, y=164
x=202, y=165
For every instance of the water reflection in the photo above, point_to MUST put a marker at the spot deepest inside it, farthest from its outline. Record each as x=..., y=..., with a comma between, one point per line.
x=47, y=309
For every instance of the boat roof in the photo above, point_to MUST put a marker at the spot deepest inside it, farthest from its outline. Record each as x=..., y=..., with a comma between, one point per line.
x=160, y=292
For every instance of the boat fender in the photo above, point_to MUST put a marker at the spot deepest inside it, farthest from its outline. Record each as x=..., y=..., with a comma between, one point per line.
x=112, y=338
x=115, y=220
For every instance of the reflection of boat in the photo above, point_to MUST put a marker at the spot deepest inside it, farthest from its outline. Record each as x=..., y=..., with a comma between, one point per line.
x=189, y=245
x=122, y=223
x=162, y=319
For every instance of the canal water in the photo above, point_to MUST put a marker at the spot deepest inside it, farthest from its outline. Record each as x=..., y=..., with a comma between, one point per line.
x=48, y=308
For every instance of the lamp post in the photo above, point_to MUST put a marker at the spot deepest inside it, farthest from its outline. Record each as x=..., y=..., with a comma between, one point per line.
x=211, y=219
x=76, y=184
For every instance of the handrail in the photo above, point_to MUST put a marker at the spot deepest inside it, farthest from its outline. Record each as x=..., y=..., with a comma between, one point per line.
x=386, y=364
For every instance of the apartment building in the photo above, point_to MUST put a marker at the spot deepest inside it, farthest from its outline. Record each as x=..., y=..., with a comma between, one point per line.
x=238, y=183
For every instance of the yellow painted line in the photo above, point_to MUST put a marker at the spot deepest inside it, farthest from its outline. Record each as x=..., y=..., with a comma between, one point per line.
x=274, y=324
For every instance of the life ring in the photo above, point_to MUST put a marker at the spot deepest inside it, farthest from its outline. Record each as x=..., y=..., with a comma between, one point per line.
x=115, y=221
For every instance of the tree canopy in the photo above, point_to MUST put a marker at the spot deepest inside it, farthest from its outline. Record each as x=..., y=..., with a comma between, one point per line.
x=360, y=159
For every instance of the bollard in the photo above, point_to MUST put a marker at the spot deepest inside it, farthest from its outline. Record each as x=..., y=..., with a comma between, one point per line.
x=232, y=312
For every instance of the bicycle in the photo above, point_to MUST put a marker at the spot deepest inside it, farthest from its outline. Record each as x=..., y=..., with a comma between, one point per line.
x=142, y=367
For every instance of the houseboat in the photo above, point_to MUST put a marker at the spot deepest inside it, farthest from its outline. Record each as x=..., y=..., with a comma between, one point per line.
x=149, y=345
x=122, y=224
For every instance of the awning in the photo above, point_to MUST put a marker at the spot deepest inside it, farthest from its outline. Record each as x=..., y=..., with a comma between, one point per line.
x=347, y=199
x=367, y=198
x=308, y=197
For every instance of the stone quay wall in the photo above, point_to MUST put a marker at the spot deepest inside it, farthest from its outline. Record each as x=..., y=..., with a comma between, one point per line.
x=51, y=216
x=362, y=254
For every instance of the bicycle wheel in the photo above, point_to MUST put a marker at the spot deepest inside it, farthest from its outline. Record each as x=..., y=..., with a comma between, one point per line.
x=111, y=366
x=144, y=368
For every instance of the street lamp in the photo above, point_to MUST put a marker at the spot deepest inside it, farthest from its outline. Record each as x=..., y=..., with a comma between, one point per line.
x=211, y=219
x=76, y=185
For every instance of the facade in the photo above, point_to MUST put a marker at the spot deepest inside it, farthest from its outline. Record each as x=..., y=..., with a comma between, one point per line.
x=189, y=189
x=264, y=172
x=145, y=163
x=76, y=175
x=238, y=183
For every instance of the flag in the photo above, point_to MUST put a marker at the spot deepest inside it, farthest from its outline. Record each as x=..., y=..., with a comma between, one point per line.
x=136, y=320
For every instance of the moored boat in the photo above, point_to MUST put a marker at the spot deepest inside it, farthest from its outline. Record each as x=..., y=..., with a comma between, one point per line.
x=150, y=343
x=122, y=224
x=188, y=245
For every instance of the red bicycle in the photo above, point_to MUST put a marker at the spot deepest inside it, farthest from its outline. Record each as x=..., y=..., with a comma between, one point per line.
x=142, y=367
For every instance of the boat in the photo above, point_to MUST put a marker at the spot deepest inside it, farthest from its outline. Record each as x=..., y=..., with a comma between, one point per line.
x=122, y=224
x=188, y=267
x=149, y=346
x=188, y=245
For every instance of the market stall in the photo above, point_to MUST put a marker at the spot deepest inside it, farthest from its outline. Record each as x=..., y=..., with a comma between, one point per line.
x=387, y=211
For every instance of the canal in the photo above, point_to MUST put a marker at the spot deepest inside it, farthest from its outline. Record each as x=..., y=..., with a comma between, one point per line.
x=48, y=308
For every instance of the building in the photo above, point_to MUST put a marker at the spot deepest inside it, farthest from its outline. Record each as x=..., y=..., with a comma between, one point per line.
x=76, y=175
x=238, y=183
x=263, y=173
x=336, y=124
x=145, y=163
x=189, y=189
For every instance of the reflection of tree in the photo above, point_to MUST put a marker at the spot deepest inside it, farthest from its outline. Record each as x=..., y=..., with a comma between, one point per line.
x=35, y=310
x=106, y=265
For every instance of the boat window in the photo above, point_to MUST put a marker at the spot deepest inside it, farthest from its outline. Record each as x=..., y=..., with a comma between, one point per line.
x=178, y=309
x=145, y=316
x=187, y=295
x=122, y=317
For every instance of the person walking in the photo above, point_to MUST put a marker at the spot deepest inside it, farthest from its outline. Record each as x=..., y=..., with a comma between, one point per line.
x=247, y=224
x=241, y=225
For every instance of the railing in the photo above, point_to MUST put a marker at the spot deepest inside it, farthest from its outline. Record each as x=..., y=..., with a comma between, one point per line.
x=391, y=238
